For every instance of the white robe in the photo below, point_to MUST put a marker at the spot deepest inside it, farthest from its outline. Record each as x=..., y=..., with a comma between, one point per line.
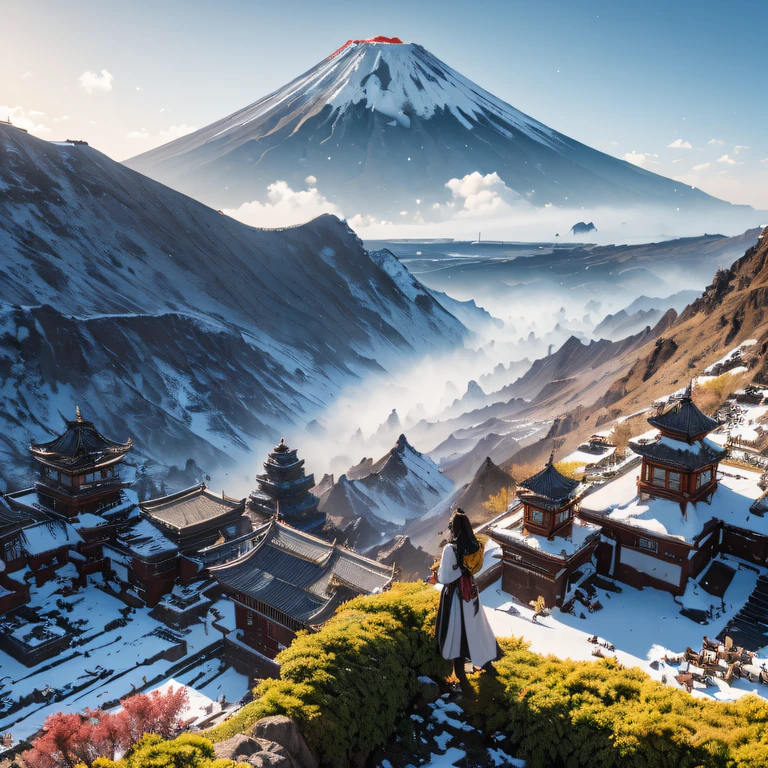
x=480, y=637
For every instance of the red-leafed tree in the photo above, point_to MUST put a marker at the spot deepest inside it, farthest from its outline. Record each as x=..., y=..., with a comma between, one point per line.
x=70, y=739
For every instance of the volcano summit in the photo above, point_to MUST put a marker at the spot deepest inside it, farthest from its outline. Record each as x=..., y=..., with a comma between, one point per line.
x=380, y=122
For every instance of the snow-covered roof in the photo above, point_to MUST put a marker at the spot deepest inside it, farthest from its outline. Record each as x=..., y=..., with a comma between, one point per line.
x=679, y=453
x=737, y=490
x=144, y=540
x=48, y=537
x=559, y=546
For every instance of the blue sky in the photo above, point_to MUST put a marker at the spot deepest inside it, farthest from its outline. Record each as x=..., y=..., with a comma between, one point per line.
x=629, y=78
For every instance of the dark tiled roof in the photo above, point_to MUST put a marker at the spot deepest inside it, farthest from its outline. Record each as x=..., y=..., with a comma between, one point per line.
x=551, y=484
x=82, y=444
x=12, y=519
x=683, y=419
x=190, y=507
x=300, y=574
x=687, y=457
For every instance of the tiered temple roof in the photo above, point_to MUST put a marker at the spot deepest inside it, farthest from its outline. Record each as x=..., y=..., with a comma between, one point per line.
x=299, y=575
x=285, y=488
x=549, y=484
x=80, y=446
x=683, y=420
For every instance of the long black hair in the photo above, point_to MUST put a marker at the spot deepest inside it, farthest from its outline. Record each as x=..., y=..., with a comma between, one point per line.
x=462, y=536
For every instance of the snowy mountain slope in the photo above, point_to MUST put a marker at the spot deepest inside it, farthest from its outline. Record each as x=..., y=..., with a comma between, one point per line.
x=180, y=325
x=400, y=486
x=384, y=126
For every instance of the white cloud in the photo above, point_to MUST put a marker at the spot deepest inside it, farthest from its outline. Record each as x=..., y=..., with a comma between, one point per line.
x=92, y=82
x=738, y=148
x=22, y=119
x=26, y=76
x=142, y=134
x=726, y=160
x=358, y=221
x=679, y=160
x=35, y=113
x=311, y=180
x=139, y=89
x=636, y=158
x=680, y=144
x=764, y=161
x=60, y=119
x=701, y=167
x=718, y=142
x=480, y=195
x=285, y=208
x=177, y=131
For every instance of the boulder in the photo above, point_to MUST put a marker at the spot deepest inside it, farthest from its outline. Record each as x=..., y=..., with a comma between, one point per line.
x=236, y=747
x=271, y=760
x=286, y=733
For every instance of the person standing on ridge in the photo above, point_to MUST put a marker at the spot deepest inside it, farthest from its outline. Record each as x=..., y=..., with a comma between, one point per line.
x=462, y=630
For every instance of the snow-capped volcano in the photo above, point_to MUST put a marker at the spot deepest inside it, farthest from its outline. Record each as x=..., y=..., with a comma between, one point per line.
x=381, y=126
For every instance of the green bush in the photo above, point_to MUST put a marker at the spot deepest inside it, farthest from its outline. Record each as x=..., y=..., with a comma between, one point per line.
x=186, y=751
x=599, y=714
x=347, y=685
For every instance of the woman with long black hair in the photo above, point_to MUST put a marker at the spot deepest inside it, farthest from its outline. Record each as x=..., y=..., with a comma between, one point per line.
x=462, y=630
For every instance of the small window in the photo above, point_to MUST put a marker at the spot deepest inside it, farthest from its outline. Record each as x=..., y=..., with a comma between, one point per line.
x=537, y=517
x=563, y=516
x=674, y=481
x=648, y=544
x=704, y=478
x=659, y=476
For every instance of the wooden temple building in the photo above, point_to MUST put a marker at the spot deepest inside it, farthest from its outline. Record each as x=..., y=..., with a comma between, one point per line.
x=544, y=556
x=288, y=580
x=680, y=464
x=284, y=490
x=80, y=511
x=175, y=554
x=666, y=532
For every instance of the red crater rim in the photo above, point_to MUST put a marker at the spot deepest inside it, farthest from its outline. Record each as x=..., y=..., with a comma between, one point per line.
x=377, y=39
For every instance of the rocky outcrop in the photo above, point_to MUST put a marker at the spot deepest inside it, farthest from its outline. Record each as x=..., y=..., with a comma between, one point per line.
x=275, y=742
x=285, y=732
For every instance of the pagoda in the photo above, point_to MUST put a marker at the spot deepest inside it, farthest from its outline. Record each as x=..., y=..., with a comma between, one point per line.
x=284, y=490
x=79, y=471
x=547, y=554
x=680, y=464
x=549, y=501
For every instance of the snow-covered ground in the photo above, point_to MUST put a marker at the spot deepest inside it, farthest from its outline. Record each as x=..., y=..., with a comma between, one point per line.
x=642, y=624
x=124, y=650
x=447, y=737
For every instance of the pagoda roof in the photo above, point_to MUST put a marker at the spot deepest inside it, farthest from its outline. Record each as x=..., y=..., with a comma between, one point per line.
x=683, y=419
x=550, y=483
x=81, y=445
x=681, y=455
x=301, y=575
x=190, y=507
